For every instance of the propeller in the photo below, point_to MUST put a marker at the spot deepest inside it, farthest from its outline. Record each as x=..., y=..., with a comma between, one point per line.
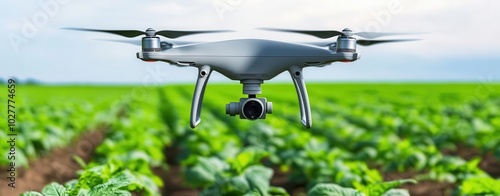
x=324, y=34
x=361, y=42
x=372, y=42
x=139, y=43
x=320, y=34
x=149, y=32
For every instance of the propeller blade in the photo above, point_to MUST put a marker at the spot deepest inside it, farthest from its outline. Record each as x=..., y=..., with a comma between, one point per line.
x=319, y=33
x=139, y=43
x=371, y=35
x=373, y=42
x=328, y=34
x=135, y=33
x=133, y=42
x=176, y=34
x=124, y=33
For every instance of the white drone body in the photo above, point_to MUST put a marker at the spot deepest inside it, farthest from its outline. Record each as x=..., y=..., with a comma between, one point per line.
x=251, y=61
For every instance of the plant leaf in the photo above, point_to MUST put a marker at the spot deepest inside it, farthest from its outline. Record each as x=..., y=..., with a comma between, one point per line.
x=32, y=193
x=247, y=158
x=397, y=192
x=199, y=177
x=113, y=186
x=383, y=187
x=204, y=173
x=480, y=186
x=54, y=189
x=277, y=191
x=258, y=178
x=237, y=186
x=324, y=189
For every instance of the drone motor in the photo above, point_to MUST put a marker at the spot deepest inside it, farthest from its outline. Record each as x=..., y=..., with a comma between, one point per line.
x=346, y=43
x=151, y=43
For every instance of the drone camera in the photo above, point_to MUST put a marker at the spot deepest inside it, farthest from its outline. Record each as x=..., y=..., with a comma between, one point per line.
x=250, y=108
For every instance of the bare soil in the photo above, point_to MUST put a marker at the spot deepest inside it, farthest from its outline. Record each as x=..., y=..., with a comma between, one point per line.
x=172, y=179
x=422, y=188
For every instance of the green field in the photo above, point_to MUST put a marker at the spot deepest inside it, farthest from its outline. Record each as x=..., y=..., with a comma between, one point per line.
x=366, y=139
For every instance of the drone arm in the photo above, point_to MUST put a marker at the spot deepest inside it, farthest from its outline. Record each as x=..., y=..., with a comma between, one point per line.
x=203, y=75
x=300, y=86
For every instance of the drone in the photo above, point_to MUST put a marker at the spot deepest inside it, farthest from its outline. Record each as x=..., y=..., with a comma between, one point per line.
x=251, y=61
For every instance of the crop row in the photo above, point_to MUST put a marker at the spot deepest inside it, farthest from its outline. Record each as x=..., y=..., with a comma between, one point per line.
x=357, y=136
x=349, y=138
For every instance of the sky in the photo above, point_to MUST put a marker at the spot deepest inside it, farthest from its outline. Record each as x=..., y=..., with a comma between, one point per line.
x=461, y=41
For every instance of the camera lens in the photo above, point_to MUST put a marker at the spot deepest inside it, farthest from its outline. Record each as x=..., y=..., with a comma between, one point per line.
x=253, y=109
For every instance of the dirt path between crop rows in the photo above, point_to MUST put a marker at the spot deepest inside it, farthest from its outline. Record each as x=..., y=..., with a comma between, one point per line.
x=57, y=166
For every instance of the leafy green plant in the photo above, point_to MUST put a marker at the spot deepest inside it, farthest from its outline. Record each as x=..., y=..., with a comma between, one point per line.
x=480, y=186
x=360, y=130
x=324, y=189
x=241, y=175
x=117, y=170
x=43, y=127
x=454, y=169
x=253, y=181
x=382, y=189
x=100, y=180
x=51, y=189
